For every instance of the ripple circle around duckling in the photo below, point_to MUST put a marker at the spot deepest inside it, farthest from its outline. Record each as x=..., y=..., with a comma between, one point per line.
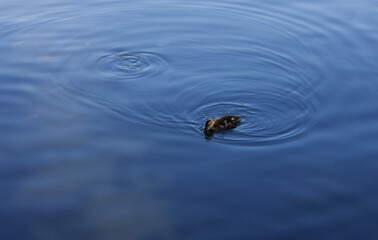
x=276, y=101
x=265, y=122
x=130, y=66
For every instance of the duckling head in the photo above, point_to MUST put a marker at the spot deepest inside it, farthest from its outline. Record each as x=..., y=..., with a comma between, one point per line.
x=209, y=126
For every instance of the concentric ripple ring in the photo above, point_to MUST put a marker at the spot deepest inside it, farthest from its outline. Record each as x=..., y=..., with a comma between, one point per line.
x=130, y=65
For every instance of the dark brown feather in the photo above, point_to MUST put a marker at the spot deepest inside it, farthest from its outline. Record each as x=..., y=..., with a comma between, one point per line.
x=226, y=122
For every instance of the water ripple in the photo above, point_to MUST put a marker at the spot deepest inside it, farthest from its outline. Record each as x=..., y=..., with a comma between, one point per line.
x=130, y=66
x=266, y=119
x=276, y=99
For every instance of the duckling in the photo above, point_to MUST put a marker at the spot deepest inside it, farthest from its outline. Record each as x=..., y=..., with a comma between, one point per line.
x=225, y=122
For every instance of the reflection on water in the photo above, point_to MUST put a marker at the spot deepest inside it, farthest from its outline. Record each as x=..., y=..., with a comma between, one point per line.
x=102, y=113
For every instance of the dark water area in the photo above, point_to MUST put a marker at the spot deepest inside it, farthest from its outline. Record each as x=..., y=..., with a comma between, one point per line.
x=103, y=103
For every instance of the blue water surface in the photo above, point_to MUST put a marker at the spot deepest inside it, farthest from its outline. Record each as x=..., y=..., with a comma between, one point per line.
x=103, y=104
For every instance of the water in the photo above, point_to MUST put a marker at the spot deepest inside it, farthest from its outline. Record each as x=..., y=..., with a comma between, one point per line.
x=102, y=105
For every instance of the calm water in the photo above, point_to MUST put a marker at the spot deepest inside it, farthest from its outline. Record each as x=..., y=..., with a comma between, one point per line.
x=102, y=105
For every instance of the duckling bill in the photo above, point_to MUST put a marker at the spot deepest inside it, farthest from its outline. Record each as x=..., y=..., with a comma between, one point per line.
x=221, y=123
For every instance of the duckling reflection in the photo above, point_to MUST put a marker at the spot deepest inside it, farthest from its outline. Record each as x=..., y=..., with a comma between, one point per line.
x=221, y=123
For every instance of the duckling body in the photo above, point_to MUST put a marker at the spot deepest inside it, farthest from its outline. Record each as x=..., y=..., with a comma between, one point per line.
x=224, y=122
